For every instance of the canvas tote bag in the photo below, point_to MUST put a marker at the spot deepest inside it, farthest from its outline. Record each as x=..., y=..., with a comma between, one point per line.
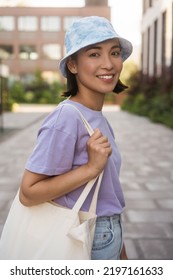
x=50, y=231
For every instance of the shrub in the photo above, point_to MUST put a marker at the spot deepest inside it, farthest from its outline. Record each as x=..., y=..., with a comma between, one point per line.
x=36, y=91
x=151, y=97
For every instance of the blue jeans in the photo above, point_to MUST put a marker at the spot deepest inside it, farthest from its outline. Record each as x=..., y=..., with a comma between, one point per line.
x=107, y=242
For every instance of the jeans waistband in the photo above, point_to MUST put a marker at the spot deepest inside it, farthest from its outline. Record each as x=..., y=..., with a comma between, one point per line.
x=113, y=218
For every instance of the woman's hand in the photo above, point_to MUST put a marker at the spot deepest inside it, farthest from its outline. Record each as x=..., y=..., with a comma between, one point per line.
x=99, y=150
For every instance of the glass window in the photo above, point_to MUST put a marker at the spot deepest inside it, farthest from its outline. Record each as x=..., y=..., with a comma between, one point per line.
x=52, y=51
x=26, y=77
x=27, y=23
x=6, y=51
x=28, y=52
x=6, y=23
x=50, y=23
x=69, y=20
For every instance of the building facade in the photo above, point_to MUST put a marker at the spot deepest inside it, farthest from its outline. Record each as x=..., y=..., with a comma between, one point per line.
x=157, y=37
x=33, y=38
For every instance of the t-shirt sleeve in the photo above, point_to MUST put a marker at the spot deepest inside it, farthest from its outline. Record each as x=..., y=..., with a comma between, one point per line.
x=54, y=150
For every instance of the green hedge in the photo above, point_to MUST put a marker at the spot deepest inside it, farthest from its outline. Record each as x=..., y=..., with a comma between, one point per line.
x=38, y=91
x=152, y=98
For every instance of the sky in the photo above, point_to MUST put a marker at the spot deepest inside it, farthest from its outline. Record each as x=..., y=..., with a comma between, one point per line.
x=126, y=18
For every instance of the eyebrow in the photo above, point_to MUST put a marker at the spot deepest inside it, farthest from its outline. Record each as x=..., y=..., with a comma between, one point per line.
x=99, y=48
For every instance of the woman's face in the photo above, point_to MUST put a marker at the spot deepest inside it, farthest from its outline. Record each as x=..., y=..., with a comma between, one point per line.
x=98, y=67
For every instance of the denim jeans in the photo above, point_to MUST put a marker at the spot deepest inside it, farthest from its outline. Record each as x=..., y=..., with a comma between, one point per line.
x=107, y=242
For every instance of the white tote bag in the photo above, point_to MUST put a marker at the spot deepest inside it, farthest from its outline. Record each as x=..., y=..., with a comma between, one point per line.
x=50, y=231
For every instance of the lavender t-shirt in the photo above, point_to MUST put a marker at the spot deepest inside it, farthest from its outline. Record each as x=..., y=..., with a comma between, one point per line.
x=61, y=146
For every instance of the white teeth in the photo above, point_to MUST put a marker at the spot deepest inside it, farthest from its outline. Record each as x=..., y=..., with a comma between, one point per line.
x=106, y=77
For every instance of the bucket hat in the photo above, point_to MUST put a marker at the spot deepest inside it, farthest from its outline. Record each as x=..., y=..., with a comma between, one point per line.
x=91, y=30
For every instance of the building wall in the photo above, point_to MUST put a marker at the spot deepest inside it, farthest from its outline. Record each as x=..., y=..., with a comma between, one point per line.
x=96, y=2
x=157, y=36
x=26, y=44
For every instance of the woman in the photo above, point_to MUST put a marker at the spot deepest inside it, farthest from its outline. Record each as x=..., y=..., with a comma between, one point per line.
x=65, y=158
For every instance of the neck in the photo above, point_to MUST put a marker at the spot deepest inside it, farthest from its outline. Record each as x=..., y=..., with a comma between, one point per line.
x=93, y=102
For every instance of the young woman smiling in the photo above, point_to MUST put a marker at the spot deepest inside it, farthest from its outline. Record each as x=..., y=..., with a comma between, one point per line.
x=65, y=158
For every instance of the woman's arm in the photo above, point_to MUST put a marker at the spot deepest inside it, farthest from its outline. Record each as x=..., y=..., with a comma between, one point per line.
x=37, y=188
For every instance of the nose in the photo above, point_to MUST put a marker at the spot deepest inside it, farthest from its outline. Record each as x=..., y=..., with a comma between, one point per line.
x=107, y=62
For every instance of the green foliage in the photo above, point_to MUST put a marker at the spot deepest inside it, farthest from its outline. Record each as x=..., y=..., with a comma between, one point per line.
x=7, y=102
x=110, y=98
x=16, y=92
x=37, y=91
x=150, y=97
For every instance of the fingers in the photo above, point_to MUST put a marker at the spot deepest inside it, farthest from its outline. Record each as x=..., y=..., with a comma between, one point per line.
x=99, y=150
x=97, y=134
x=99, y=137
x=99, y=142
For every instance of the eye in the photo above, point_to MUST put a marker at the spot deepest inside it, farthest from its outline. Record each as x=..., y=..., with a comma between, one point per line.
x=94, y=54
x=116, y=53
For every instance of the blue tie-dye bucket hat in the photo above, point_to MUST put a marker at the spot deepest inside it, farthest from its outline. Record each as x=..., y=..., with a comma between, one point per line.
x=88, y=31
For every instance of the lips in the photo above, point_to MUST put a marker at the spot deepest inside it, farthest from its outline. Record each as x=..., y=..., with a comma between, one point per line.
x=106, y=77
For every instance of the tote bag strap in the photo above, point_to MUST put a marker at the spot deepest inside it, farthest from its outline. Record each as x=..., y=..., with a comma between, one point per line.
x=91, y=183
x=93, y=204
x=85, y=122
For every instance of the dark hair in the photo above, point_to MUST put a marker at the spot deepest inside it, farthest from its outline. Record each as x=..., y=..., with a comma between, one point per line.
x=72, y=86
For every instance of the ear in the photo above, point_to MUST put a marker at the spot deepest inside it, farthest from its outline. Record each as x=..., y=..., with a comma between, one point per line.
x=71, y=66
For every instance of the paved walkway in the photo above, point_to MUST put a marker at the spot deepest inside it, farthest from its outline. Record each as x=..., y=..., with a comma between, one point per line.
x=146, y=175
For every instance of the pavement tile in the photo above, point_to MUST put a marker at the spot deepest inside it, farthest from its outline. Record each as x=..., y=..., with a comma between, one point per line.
x=147, y=230
x=165, y=203
x=148, y=194
x=140, y=204
x=131, y=249
x=155, y=249
x=162, y=185
x=154, y=216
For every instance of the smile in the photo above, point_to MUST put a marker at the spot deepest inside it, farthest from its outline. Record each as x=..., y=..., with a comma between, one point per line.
x=107, y=77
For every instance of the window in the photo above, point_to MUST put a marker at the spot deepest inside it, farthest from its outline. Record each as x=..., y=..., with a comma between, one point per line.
x=52, y=51
x=148, y=48
x=163, y=40
x=26, y=77
x=50, y=23
x=146, y=5
x=68, y=21
x=6, y=51
x=150, y=3
x=27, y=23
x=6, y=23
x=28, y=52
x=172, y=37
x=155, y=45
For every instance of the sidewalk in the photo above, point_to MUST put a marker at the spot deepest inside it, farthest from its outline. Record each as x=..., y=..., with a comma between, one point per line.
x=146, y=175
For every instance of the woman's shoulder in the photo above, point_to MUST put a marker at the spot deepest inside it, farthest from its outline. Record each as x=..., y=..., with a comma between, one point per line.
x=64, y=118
x=69, y=109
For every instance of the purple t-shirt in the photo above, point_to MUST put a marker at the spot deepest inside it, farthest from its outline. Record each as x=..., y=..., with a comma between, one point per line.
x=61, y=146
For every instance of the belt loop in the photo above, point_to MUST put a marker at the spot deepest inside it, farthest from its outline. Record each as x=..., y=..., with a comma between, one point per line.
x=111, y=222
x=122, y=233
